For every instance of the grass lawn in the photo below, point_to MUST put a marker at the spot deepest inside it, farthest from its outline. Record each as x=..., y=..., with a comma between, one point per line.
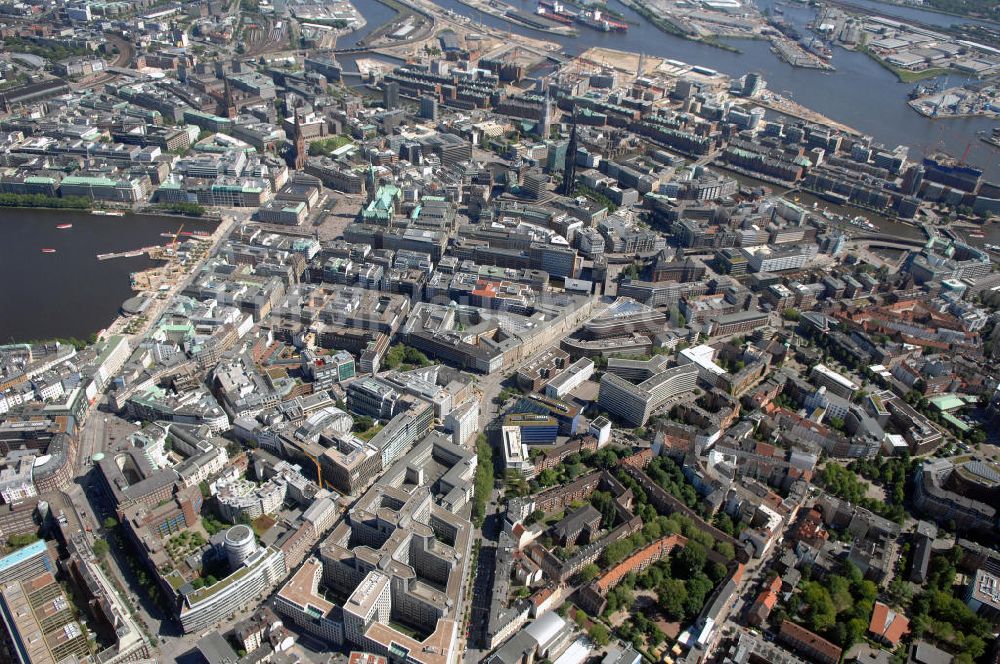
x=905, y=75
x=326, y=146
x=370, y=433
x=262, y=524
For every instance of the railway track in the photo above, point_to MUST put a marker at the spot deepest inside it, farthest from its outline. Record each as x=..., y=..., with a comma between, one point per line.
x=126, y=52
x=262, y=35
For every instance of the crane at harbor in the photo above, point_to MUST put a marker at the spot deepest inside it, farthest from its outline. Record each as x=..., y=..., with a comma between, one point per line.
x=173, y=243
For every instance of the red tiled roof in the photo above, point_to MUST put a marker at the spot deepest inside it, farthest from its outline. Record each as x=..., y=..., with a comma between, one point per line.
x=543, y=594
x=802, y=638
x=767, y=598
x=887, y=624
x=765, y=449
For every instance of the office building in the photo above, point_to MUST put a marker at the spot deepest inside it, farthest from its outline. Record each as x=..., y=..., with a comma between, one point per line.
x=565, y=414
x=635, y=403
x=429, y=108
x=834, y=383
x=515, y=451
x=982, y=595
x=534, y=429
x=765, y=258
x=40, y=621
x=403, y=591
x=258, y=571
x=575, y=375
x=390, y=95
x=28, y=562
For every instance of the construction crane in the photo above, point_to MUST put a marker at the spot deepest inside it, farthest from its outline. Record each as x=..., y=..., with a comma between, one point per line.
x=965, y=155
x=173, y=243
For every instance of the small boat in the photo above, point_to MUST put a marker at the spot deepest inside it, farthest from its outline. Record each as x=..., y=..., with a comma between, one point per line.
x=47, y=250
x=63, y=227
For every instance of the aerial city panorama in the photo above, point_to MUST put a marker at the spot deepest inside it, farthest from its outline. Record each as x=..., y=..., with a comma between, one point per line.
x=500, y=331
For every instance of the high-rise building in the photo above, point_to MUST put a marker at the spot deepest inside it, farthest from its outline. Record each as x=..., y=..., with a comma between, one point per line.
x=912, y=179
x=556, y=159
x=429, y=107
x=390, y=95
x=544, y=127
x=753, y=85
x=569, y=169
x=534, y=183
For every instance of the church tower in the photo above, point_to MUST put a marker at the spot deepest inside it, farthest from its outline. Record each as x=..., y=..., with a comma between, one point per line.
x=300, y=143
x=569, y=170
x=228, y=102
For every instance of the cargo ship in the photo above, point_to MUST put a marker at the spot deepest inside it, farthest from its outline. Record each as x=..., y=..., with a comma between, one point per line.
x=817, y=47
x=555, y=11
x=993, y=139
x=63, y=227
x=46, y=250
x=592, y=18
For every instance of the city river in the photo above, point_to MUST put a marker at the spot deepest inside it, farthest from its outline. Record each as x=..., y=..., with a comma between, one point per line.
x=860, y=93
x=70, y=293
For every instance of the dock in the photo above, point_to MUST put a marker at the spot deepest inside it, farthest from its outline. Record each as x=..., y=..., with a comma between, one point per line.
x=155, y=249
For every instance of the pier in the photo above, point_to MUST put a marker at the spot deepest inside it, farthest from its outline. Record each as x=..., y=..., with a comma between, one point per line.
x=153, y=252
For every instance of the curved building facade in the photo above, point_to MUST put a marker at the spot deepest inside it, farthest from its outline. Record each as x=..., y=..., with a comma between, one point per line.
x=633, y=403
x=240, y=545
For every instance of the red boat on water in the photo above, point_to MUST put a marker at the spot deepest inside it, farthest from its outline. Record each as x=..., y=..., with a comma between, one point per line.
x=555, y=12
x=48, y=251
x=596, y=20
x=64, y=226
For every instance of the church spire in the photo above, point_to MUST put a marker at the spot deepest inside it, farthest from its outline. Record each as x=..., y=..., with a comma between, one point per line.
x=228, y=102
x=300, y=142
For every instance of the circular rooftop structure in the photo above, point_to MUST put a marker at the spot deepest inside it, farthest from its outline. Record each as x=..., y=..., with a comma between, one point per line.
x=240, y=544
x=238, y=534
x=135, y=305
